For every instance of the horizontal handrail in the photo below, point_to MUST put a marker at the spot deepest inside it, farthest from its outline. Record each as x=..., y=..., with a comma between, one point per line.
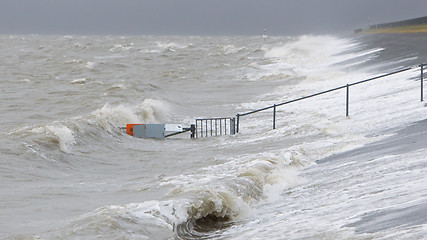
x=323, y=92
x=210, y=126
x=217, y=118
x=381, y=76
x=347, y=86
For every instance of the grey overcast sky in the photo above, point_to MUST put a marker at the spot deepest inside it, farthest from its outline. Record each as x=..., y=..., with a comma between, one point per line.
x=200, y=17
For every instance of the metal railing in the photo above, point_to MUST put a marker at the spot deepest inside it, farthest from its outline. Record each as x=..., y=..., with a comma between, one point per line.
x=207, y=127
x=347, y=87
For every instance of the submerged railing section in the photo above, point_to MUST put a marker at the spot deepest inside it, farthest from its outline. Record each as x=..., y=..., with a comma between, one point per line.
x=208, y=127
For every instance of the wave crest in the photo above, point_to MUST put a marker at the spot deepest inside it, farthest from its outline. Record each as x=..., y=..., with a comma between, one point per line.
x=107, y=119
x=58, y=134
x=149, y=111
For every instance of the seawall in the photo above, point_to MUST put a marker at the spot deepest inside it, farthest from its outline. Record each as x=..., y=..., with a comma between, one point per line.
x=416, y=25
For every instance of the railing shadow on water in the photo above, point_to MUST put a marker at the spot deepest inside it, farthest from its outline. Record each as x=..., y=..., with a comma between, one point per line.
x=207, y=127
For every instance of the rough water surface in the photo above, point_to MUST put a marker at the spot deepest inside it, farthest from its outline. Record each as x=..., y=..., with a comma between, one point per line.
x=68, y=170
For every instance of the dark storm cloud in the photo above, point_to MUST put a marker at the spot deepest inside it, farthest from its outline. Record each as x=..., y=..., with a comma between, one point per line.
x=200, y=17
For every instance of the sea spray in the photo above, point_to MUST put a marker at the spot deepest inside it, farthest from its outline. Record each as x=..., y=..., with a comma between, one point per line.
x=56, y=133
x=64, y=135
x=254, y=184
x=153, y=111
x=149, y=111
x=107, y=119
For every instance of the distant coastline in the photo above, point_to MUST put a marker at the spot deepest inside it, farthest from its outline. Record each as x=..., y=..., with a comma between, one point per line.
x=416, y=25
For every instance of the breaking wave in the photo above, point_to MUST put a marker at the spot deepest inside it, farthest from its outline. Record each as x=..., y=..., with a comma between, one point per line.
x=223, y=195
x=216, y=183
x=68, y=133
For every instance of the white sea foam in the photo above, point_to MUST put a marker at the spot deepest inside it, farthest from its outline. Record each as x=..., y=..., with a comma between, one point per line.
x=231, y=49
x=153, y=111
x=55, y=132
x=172, y=46
x=119, y=85
x=79, y=81
x=149, y=111
x=113, y=116
x=312, y=52
x=264, y=181
x=232, y=189
x=109, y=118
x=122, y=47
x=316, y=58
x=63, y=135
x=90, y=65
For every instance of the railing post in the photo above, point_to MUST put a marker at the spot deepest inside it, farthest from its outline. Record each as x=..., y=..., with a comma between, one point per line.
x=201, y=128
x=206, y=123
x=232, y=126
x=193, y=131
x=347, y=100
x=422, y=82
x=274, y=116
x=238, y=122
x=235, y=123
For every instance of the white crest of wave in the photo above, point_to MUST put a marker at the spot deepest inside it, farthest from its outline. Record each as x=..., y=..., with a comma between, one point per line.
x=78, y=81
x=90, y=65
x=149, y=111
x=171, y=46
x=63, y=135
x=276, y=171
x=154, y=219
x=232, y=189
x=109, y=116
x=122, y=47
x=53, y=133
x=152, y=111
x=312, y=51
x=230, y=49
x=217, y=202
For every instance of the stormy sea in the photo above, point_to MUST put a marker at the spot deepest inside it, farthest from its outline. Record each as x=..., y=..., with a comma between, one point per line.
x=68, y=169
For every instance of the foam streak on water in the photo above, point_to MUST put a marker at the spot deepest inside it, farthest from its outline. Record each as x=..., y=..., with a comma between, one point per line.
x=69, y=171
